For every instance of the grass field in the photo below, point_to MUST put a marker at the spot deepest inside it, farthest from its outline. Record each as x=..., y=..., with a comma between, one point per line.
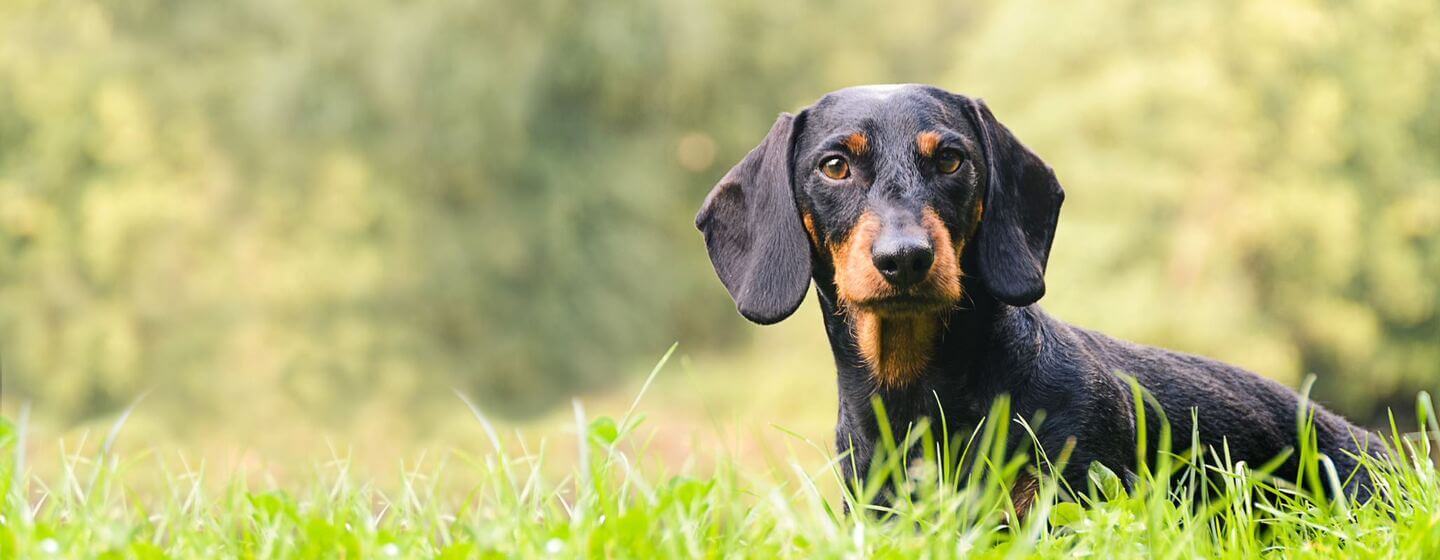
x=600, y=495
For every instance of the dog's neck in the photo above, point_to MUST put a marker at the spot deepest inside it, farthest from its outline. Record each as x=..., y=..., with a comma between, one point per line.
x=897, y=350
x=892, y=354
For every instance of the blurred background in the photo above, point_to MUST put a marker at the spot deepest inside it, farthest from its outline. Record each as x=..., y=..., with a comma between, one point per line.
x=284, y=221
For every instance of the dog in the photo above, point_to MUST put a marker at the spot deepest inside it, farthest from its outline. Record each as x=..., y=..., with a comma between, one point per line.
x=925, y=226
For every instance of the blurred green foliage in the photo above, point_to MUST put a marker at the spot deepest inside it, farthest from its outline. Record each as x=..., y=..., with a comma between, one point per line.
x=323, y=202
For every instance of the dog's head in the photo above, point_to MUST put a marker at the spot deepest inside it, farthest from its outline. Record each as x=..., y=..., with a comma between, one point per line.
x=891, y=186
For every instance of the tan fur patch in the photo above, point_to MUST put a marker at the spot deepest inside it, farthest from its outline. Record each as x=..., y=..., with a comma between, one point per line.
x=926, y=142
x=855, y=277
x=1023, y=494
x=945, y=273
x=975, y=220
x=897, y=348
x=857, y=143
x=809, y=221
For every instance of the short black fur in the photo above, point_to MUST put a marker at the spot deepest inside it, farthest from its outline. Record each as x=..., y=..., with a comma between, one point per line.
x=753, y=231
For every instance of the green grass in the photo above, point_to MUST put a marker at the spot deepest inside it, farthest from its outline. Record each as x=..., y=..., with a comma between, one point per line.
x=606, y=500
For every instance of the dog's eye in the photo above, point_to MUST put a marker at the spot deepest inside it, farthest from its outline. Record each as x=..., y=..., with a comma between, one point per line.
x=948, y=161
x=835, y=167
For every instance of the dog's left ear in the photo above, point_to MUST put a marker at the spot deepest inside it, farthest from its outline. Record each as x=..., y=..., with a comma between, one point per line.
x=1022, y=206
x=753, y=230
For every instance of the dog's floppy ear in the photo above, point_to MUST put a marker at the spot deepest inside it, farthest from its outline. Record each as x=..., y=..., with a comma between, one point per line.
x=753, y=232
x=1022, y=206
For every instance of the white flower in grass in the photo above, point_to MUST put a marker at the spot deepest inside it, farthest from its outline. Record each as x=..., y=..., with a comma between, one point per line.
x=49, y=546
x=390, y=549
x=554, y=546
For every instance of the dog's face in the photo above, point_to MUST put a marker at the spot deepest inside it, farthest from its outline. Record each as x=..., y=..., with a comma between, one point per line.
x=887, y=183
x=884, y=190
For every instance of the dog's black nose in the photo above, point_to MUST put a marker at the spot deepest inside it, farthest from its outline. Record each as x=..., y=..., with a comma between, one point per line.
x=903, y=261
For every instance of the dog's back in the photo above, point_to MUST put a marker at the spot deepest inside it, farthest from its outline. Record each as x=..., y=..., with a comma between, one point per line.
x=1239, y=412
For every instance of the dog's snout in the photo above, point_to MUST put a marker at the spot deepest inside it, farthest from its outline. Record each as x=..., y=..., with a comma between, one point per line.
x=904, y=260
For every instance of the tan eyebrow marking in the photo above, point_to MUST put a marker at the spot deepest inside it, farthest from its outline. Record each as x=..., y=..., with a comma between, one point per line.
x=927, y=142
x=857, y=143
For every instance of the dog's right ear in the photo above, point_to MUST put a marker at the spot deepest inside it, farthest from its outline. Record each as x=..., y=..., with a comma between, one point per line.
x=753, y=231
x=1022, y=208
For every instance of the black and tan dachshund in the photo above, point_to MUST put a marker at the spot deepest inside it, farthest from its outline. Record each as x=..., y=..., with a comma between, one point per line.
x=925, y=226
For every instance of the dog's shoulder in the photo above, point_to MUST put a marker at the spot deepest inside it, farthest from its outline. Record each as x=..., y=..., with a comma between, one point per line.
x=1182, y=380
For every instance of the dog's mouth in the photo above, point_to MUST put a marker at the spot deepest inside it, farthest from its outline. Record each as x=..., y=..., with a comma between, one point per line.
x=904, y=305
